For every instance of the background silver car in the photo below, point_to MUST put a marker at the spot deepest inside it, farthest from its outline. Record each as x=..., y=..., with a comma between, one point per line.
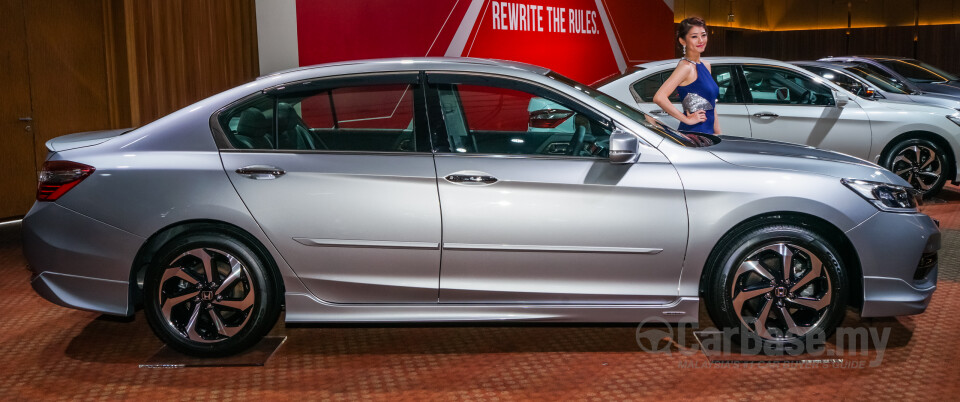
x=769, y=99
x=872, y=83
x=915, y=74
x=426, y=190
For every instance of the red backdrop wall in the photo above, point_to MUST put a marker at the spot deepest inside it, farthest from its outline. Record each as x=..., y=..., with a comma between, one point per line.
x=578, y=46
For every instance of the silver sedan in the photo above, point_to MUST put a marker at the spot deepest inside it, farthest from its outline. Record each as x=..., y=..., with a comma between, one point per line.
x=426, y=190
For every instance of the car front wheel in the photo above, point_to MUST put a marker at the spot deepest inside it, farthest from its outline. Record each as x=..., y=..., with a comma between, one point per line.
x=779, y=285
x=210, y=295
x=920, y=162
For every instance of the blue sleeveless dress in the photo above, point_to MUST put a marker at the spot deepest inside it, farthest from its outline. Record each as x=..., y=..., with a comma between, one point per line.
x=707, y=88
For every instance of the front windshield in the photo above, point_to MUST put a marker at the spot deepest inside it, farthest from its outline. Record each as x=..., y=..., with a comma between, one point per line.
x=879, y=78
x=917, y=71
x=688, y=140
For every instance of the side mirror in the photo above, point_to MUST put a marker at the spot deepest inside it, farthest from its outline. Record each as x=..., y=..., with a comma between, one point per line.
x=624, y=147
x=841, y=99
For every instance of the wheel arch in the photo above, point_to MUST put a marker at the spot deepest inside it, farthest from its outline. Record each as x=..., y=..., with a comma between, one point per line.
x=156, y=241
x=929, y=136
x=833, y=234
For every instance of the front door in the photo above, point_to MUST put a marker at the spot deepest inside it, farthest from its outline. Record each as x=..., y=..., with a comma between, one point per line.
x=341, y=180
x=533, y=212
x=791, y=107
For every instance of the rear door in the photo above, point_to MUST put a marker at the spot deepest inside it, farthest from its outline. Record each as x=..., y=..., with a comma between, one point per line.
x=340, y=176
x=534, y=212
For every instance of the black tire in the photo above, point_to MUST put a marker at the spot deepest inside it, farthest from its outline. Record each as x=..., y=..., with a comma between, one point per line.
x=225, y=321
x=734, y=275
x=920, y=162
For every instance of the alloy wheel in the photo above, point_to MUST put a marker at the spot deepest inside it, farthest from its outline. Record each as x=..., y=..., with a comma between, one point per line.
x=781, y=291
x=919, y=165
x=206, y=295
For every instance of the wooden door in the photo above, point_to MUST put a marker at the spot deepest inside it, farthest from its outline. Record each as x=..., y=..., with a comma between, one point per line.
x=68, y=71
x=18, y=180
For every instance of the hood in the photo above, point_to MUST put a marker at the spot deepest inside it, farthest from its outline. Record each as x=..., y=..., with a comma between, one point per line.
x=802, y=158
x=931, y=98
x=84, y=139
x=951, y=88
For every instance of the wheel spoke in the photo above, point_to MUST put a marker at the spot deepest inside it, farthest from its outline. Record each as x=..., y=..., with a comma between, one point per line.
x=786, y=258
x=754, y=265
x=174, y=301
x=791, y=325
x=923, y=186
x=217, y=322
x=815, y=304
x=177, y=272
x=207, y=261
x=237, y=304
x=901, y=172
x=747, y=295
x=192, y=325
x=933, y=157
x=236, y=269
x=901, y=158
x=760, y=323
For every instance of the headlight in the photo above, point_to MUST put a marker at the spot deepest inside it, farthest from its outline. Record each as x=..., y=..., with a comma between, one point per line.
x=954, y=118
x=886, y=197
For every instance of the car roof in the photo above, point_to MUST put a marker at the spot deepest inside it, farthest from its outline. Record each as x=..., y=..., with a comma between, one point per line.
x=419, y=63
x=718, y=59
x=827, y=64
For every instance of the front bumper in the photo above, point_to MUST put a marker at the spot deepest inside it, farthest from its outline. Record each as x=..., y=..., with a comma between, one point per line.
x=79, y=262
x=890, y=247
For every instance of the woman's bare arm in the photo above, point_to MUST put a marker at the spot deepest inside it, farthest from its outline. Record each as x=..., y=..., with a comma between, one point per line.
x=680, y=75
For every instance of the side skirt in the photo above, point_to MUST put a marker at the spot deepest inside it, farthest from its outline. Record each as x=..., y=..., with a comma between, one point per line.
x=304, y=308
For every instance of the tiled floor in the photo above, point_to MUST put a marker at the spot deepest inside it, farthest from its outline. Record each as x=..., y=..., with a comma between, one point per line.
x=49, y=352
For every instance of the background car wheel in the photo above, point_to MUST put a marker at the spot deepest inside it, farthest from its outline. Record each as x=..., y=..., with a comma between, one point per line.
x=781, y=285
x=920, y=162
x=210, y=295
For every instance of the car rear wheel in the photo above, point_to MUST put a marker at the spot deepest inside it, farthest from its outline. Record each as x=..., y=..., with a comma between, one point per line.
x=920, y=162
x=780, y=285
x=210, y=295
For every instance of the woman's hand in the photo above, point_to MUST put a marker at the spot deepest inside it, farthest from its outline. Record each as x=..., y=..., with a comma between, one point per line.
x=695, y=117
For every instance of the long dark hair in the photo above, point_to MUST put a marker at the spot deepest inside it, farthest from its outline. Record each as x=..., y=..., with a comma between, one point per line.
x=688, y=24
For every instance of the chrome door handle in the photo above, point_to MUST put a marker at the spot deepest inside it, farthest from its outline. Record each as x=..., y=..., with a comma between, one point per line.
x=659, y=112
x=261, y=172
x=766, y=114
x=471, y=179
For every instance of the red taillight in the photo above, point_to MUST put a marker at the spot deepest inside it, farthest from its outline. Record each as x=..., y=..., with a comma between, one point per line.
x=58, y=177
x=548, y=118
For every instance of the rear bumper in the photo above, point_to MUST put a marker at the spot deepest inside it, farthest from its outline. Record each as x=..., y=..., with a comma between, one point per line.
x=93, y=294
x=79, y=262
x=890, y=247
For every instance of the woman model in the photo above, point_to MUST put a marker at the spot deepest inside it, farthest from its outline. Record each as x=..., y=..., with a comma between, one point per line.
x=692, y=79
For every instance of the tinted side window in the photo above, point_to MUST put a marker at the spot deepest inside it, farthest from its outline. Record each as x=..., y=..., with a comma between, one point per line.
x=494, y=120
x=646, y=88
x=843, y=80
x=250, y=124
x=360, y=118
x=724, y=76
x=772, y=85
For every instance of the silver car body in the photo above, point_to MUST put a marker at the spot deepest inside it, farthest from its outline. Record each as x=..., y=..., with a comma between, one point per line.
x=860, y=128
x=946, y=88
x=374, y=236
x=928, y=98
